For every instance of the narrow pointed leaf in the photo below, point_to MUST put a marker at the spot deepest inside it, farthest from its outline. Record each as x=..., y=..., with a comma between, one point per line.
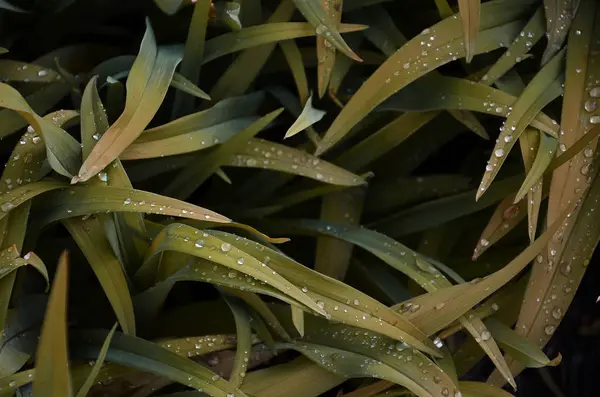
x=545, y=154
x=91, y=379
x=324, y=25
x=308, y=117
x=469, y=15
x=559, y=14
x=52, y=365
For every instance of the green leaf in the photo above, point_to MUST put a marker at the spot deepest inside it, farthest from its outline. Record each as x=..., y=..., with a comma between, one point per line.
x=298, y=319
x=545, y=155
x=67, y=202
x=469, y=15
x=478, y=389
x=292, y=55
x=244, y=341
x=325, y=51
x=52, y=364
x=262, y=34
x=26, y=72
x=146, y=356
x=185, y=85
x=308, y=117
x=91, y=379
x=190, y=178
x=326, y=26
x=63, y=151
x=89, y=236
x=258, y=153
x=518, y=347
x=543, y=88
x=147, y=86
x=559, y=14
x=408, y=64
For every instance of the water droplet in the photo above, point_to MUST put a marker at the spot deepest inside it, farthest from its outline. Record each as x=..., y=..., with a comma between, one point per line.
x=127, y=201
x=489, y=167
x=7, y=206
x=199, y=243
x=557, y=313
x=42, y=73
x=562, y=147
x=440, y=305
x=103, y=176
x=445, y=392
x=595, y=120
x=585, y=169
x=549, y=329
x=225, y=247
x=499, y=153
x=251, y=162
x=590, y=105
x=304, y=289
x=578, y=32
x=356, y=302
x=321, y=304
x=321, y=29
x=508, y=138
x=240, y=261
x=588, y=152
x=595, y=92
x=96, y=137
x=36, y=139
x=485, y=335
x=495, y=307
x=484, y=242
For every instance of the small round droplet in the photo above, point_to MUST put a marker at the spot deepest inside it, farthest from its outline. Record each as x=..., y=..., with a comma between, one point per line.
x=590, y=105
x=199, y=243
x=549, y=329
x=508, y=138
x=489, y=167
x=304, y=289
x=588, y=152
x=595, y=92
x=127, y=201
x=225, y=247
x=485, y=335
x=356, y=302
x=438, y=343
x=7, y=206
x=484, y=242
x=595, y=120
x=557, y=313
x=321, y=29
x=499, y=153
x=445, y=392
x=585, y=169
x=103, y=176
x=240, y=261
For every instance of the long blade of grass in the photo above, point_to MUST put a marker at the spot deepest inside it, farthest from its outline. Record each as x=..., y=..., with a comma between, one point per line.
x=52, y=365
x=469, y=15
x=559, y=14
x=91, y=379
x=325, y=51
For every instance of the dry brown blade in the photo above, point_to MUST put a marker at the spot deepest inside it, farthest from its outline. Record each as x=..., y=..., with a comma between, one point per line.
x=556, y=274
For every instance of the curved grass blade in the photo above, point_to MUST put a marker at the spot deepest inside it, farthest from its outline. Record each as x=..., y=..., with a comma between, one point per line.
x=336, y=297
x=529, y=140
x=26, y=72
x=469, y=15
x=559, y=14
x=518, y=347
x=243, y=333
x=89, y=236
x=186, y=142
x=352, y=365
x=396, y=355
x=181, y=83
x=408, y=63
x=63, y=151
x=147, y=86
x=190, y=178
x=298, y=378
x=188, y=240
x=536, y=95
x=325, y=25
x=262, y=34
x=258, y=153
x=68, y=202
x=52, y=365
x=91, y=379
x=146, y=356
x=517, y=51
x=308, y=117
